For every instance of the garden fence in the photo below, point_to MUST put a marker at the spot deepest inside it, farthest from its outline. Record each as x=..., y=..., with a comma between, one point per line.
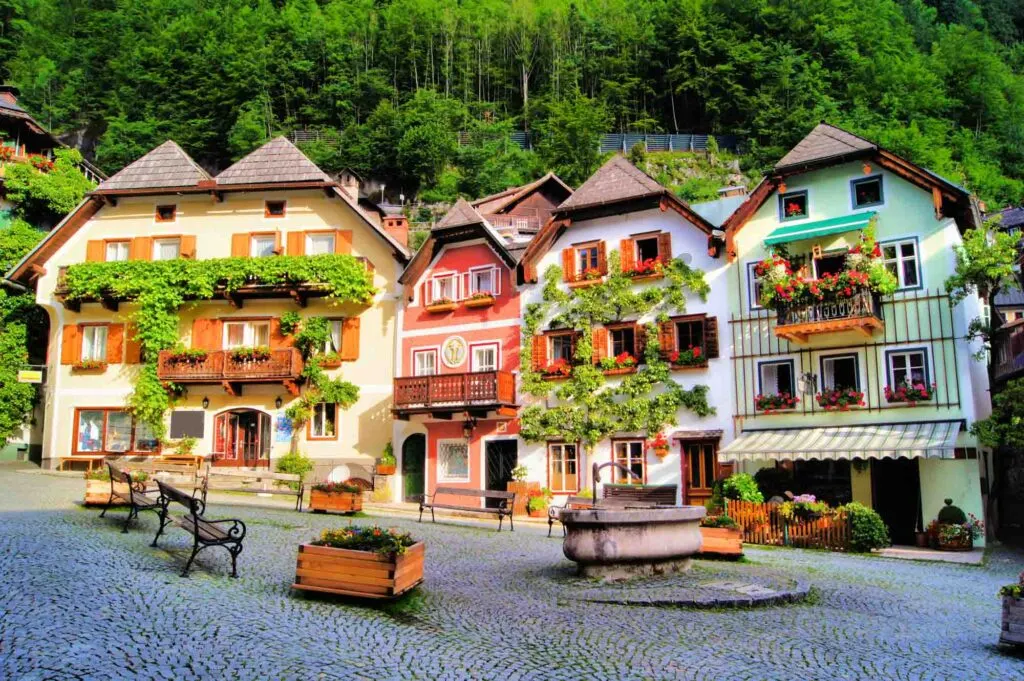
x=764, y=524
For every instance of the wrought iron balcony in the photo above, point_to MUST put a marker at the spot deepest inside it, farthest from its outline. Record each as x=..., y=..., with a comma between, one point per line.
x=284, y=366
x=442, y=395
x=861, y=312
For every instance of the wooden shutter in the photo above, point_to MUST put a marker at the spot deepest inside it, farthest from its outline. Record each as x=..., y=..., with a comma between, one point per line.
x=142, y=248
x=278, y=339
x=206, y=333
x=296, y=243
x=278, y=249
x=188, y=246
x=539, y=352
x=70, y=344
x=667, y=337
x=639, y=341
x=627, y=254
x=115, y=343
x=95, y=251
x=600, y=340
x=349, y=339
x=602, y=258
x=569, y=264
x=240, y=245
x=132, y=345
x=711, y=337
x=343, y=241
x=665, y=247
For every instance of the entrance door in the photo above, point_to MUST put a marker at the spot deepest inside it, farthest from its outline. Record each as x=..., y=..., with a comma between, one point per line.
x=700, y=470
x=501, y=457
x=896, y=495
x=242, y=438
x=414, y=452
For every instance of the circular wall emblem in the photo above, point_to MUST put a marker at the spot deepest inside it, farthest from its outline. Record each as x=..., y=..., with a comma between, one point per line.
x=453, y=352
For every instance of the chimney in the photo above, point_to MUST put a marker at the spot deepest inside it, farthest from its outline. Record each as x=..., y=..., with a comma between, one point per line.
x=349, y=183
x=398, y=227
x=9, y=94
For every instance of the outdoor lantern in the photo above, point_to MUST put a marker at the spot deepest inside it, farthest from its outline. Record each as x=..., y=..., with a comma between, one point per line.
x=782, y=187
x=467, y=428
x=867, y=168
x=278, y=402
x=206, y=402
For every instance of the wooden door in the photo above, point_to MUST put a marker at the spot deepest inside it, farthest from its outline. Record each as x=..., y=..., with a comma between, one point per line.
x=699, y=470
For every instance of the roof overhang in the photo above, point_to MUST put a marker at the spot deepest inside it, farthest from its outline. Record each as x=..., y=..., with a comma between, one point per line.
x=31, y=265
x=440, y=237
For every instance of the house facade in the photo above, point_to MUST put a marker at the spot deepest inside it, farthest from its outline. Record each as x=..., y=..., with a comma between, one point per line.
x=856, y=393
x=236, y=368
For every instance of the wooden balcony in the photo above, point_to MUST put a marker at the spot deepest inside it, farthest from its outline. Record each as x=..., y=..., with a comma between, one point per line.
x=1008, y=352
x=284, y=366
x=861, y=312
x=443, y=395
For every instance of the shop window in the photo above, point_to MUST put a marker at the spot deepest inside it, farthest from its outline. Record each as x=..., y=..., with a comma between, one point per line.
x=453, y=461
x=112, y=431
x=563, y=463
x=630, y=454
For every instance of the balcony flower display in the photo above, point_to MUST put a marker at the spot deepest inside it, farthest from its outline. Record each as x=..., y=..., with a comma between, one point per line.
x=840, y=399
x=90, y=365
x=693, y=356
x=559, y=367
x=40, y=163
x=259, y=353
x=910, y=393
x=623, y=360
x=659, y=445
x=187, y=356
x=647, y=268
x=776, y=402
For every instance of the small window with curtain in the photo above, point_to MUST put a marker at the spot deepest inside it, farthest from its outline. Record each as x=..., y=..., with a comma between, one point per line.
x=622, y=340
x=333, y=343
x=630, y=454
x=246, y=334
x=908, y=368
x=484, y=357
x=94, y=342
x=561, y=348
x=166, y=249
x=901, y=259
x=777, y=378
x=839, y=372
x=482, y=281
x=442, y=288
x=588, y=261
x=262, y=245
x=323, y=424
x=753, y=286
x=319, y=244
x=563, y=476
x=424, y=362
x=117, y=251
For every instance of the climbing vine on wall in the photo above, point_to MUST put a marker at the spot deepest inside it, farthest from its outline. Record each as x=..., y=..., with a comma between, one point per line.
x=161, y=288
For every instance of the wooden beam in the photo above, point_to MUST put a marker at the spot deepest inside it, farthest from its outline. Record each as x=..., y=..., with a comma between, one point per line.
x=937, y=202
x=235, y=300
x=232, y=389
x=73, y=305
x=508, y=412
x=442, y=415
x=298, y=296
x=292, y=387
x=109, y=304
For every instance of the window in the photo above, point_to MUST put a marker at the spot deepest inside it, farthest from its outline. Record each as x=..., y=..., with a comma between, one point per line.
x=262, y=245
x=867, y=192
x=482, y=281
x=646, y=248
x=319, y=244
x=333, y=342
x=700, y=465
x=690, y=334
x=453, y=461
x=248, y=333
x=443, y=287
x=622, y=340
x=908, y=367
x=274, y=209
x=94, y=342
x=900, y=258
x=831, y=263
x=793, y=206
x=166, y=249
x=561, y=348
x=323, y=424
x=119, y=432
x=90, y=431
x=630, y=453
x=424, y=362
x=145, y=438
x=562, y=468
x=776, y=378
x=753, y=286
x=166, y=213
x=485, y=357
x=839, y=372
x=112, y=431
x=587, y=258
x=117, y=251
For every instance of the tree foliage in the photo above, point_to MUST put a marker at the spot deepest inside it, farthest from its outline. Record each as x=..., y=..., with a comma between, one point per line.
x=1005, y=427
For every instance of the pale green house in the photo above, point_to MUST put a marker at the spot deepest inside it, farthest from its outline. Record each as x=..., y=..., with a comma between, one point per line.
x=854, y=395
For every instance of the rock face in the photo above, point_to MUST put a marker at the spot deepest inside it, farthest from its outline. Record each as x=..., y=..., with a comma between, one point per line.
x=617, y=543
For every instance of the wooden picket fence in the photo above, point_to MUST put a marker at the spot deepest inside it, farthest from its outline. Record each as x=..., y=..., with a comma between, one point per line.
x=762, y=524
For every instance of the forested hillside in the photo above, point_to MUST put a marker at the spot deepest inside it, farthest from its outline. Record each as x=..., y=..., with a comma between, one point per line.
x=936, y=80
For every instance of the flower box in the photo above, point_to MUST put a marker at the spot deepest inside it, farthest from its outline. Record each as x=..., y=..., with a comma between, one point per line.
x=909, y=395
x=584, y=283
x=771, y=404
x=480, y=301
x=842, y=399
x=89, y=367
x=340, y=502
x=385, y=468
x=721, y=541
x=1012, y=630
x=97, y=492
x=363, y=574
x=619, y=371
x=442, y=306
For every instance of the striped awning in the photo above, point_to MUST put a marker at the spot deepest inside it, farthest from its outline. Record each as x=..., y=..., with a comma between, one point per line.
x=810, y=230
x=929, y=440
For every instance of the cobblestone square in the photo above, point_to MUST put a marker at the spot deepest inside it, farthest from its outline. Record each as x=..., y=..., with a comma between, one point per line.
x=80, y=600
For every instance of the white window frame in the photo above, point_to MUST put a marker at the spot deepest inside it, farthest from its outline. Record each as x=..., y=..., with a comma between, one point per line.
x=900, y=259
x=630, y=457
x=248, y=332
x=473, y=347
x=425, y=352
x=844, y=355
x=561, y=447
x=320, y=411
x=256, y=239
x=316, y=236
x=906, y=352
x=791, y=363
x=94, y=342
x=474, y=287
x=435, y=286
x=162, y=241
x=753, y=299
x=121, y=248
x=443, y=475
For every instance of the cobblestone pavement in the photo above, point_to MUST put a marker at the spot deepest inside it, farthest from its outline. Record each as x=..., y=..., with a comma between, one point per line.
x=80, y=600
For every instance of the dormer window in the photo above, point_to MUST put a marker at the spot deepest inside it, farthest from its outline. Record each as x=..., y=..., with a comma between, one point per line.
x=482, y=281
x=274, y=209
x=793, y=206
x=442, y=288
x=166, y=213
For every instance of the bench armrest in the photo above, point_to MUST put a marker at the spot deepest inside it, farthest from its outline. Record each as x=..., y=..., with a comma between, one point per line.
x=237, y=529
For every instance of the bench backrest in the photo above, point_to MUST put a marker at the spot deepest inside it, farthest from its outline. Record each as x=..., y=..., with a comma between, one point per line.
x=174, y=468
x=466, y=492
x=117, y=474
x=241, y=476
x=173, y=494
x=654, y=494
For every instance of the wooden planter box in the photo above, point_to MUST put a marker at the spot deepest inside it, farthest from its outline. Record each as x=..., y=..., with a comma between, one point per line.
x=363, y=574
x=522, y=490
x=647, y=277
x=442, y=307
x=479, y=302
x=97, y=369
x=619, y=371
x=342, y=502
x=962, y=545
x=385, y=469
x=721, y=541
x=1012, y=631
x=684, y=367
x=584, y=283
x=97, y=492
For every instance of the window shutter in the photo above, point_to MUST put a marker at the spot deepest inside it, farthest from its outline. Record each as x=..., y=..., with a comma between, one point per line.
x=349, y=339
x=569, y=264
x=711, y=337
x=70, y=344
x=667, y=337
x=602, y=258
x=132, y=345
x=539, y=350
x=188, y=246
x=639, y=341
x=239, y=245
x=600, y=340
x=115, y=344
x=343, y=242
x=278, y=250
x=277, y=339
x=142, y=248
x=296, y=243
x=206, y=334
x=665, y=247
x=627, y=254
x=95, y=251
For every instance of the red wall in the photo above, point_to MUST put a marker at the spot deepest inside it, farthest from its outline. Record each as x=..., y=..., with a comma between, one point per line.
x=452, y=430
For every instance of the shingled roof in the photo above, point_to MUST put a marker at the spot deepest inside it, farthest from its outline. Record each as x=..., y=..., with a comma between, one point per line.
x=500, y=201
x=166, y=166
x=616, y=181
x=277, y=161
x=826, y=142
x=460, y=215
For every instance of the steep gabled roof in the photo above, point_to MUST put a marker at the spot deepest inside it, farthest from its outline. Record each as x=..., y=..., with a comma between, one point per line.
x=823, y=144
x=277, y=161
x=166, y=166
x=616, y=181
x=459, y=215
x=505, y=200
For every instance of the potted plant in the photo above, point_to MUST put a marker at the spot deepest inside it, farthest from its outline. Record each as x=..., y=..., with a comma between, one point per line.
x=522, y=489
x=721, y=535
x=622, y=363
x=909, y=393
x=651, y=268
x=537, y=504
x=480, y=299
x=441, y=305
x=335, y=496
x=659, y=445
x=365, y=562
x=97, y=486
x=330, y=360
x=1012, y=630
x=840, y=399
x=955, y=530
x=693, y=356
x=386, y=463
x=770, y=404
x=246, y=353
x=558, y=369
x=189, y=356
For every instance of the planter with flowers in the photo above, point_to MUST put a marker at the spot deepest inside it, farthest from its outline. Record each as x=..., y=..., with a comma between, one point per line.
x=558, y=369
x=840, y=399
x=480, y=299
x=522, y=489
x=187, y=356
x=651, y=268
x=909, y=393
x=659, y=445
x=721, y=536
x=537, y=502
x=954, y=530
x=387, y=463
x=365, y=562
x=804, y=507
x=779, y=402
x=335, y=496
x=588, y=277
x=92, y=366
x=1012, y=631
x=622, y=363
x=691, y=358
x=250, y=354
x=441, y=305
x=330, y=360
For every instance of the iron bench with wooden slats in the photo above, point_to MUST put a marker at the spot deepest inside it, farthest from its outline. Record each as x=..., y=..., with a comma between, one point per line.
x=228, y=533
x=503, y=510
x=621, y=495
x=252, y=482
x=138, y=497
x=571, y=502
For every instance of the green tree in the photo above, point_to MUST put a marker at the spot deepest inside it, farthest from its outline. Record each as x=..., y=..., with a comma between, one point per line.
x=43, y=197
x=569, y=137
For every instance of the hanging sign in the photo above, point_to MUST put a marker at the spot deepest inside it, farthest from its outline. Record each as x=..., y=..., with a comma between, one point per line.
x=453, y=352
x=30, y=376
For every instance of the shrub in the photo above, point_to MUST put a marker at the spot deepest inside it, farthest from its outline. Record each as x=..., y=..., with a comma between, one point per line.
x=868, y=530
x=773, y=482
x=388, y=457
x=951, y=515
x=718, y=521
x=742, y=487
x=519, y=473
x=295, y=463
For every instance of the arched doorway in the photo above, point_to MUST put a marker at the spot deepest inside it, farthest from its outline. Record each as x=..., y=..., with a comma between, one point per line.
x=414, y=456
x=242, y=437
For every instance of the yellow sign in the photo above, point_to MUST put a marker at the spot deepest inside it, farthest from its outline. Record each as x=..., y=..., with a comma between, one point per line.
x=30, y=376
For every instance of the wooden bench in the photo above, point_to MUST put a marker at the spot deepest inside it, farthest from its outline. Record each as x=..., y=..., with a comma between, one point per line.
x=252, y=482
x=183, y=474
x=502, y=511
x=645, y=495
x=195, y=460
x=227, y=533
x=572, y=502
x=135, y=494
x=90, y=461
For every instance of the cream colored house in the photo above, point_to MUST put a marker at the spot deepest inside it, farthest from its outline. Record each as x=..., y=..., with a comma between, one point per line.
x=164, y=206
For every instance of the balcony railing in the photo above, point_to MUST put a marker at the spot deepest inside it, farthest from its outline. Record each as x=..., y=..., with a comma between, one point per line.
x=283, y=365
x=455, y=392
x=1008, y=352
x=861, y=312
